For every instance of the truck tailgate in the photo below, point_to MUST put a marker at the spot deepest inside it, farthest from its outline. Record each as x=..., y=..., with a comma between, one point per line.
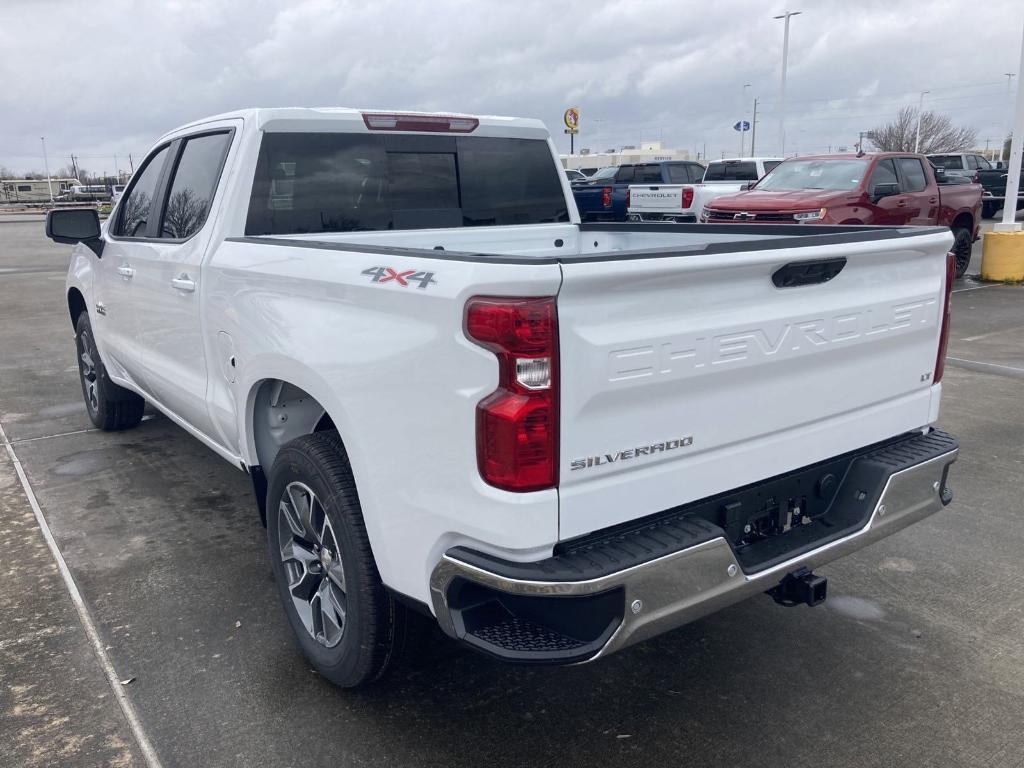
x=646, y=198
x=683, y=376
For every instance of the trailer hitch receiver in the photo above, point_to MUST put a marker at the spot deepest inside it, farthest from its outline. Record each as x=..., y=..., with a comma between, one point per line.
x=801, y=587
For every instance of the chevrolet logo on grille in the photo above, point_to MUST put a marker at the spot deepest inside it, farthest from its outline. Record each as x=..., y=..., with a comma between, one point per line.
x=744, y=216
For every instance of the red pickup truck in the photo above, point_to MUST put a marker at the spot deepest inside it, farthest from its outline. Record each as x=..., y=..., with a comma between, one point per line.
x=887, y=188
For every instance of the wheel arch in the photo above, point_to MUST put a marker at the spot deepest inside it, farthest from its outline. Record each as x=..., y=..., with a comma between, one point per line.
x=280, y=408
x=963, y=220
x=76, y=304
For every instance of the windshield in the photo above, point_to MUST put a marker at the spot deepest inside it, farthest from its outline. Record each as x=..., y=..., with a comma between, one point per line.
x=815, y=174
x=949, y=162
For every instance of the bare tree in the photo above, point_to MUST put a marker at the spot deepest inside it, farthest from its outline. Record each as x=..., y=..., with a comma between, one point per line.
x=938, y=134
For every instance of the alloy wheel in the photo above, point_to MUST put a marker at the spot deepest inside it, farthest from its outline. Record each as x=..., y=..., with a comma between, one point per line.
x=312, y=564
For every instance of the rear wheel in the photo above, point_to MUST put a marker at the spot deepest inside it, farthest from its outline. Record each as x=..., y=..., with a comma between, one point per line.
x=347, y=625
x=962, y=249
x=110, y=406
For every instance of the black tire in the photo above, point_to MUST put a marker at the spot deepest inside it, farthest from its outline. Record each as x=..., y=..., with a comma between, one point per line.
x=962, y=243
x=111, y=407
x=376, y=631
x=988, y=210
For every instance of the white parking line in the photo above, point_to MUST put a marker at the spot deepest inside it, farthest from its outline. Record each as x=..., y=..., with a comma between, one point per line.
x=83, y=613
x=976, y=287
x=987, y=365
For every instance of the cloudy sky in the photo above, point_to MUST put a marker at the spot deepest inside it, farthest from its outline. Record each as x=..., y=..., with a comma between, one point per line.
x=106, y=78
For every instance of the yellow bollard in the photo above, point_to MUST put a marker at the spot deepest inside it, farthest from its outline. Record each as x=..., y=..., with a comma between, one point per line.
x=1002, y=256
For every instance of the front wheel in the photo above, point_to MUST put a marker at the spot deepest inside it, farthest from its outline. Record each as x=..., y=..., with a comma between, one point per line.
x=347, y=625
x=988, y=210
x=962, y=249
x=110, y=406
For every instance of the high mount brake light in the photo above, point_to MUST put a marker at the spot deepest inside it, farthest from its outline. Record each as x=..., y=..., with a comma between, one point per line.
x=940, y=360
x=378, y=121
x=517, y=424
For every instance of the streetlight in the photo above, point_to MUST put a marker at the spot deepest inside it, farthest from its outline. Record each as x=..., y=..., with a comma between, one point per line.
x=743, y=116
x=920, y=107
x=46, y=166
x=782, y=90
x=1009, y=111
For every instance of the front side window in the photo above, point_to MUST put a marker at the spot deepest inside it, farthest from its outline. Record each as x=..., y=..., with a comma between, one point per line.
x=133, y=216
x=625, y=173
x=341, y=182
x=770, y=164
x=884, y=173
x=984, y=164
x=195, y=181
x=914, y=179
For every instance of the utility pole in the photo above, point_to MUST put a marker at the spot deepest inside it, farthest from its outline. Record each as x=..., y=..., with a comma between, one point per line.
x=920, y=108
x=130, y=163
x=782, y=89
x=753, y=130
x=743, y=116
x=74, y=167
x=46, y=167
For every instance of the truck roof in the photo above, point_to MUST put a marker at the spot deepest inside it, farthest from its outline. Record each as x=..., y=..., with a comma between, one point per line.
x=852, y=156
x=307, y=118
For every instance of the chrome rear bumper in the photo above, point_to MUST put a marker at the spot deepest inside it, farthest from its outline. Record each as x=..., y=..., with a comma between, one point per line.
x=678, y=588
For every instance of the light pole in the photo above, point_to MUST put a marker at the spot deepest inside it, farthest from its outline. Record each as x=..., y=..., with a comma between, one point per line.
x=46, y=167
x=1013, y=162
x=782, y=89
x=1009, y=111
x=743, y=116
x=920, y=108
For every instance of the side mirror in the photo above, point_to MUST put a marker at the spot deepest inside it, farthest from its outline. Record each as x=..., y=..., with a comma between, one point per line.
x=75, y=225
x=884, y=190
x=940, y=173
x=744, y=187
x=998, y=165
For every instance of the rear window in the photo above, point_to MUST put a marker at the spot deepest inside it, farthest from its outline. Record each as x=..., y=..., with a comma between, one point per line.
x=949, y=162
x=731, y=171
x=343, y=182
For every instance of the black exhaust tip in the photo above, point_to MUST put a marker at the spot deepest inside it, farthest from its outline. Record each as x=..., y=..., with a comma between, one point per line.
x=801, y=587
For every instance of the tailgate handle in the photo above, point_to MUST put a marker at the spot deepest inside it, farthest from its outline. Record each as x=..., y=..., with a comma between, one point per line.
x=807, y=272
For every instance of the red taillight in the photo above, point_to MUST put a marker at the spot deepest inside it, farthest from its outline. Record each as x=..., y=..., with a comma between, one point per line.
x=940, y=361
x=606, y=197
x=517, y=424
x=687, y=197
x=377, y=121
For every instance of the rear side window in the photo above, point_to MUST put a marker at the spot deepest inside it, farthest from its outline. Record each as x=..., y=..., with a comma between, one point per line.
x=730, y=171
x=914, y=179
x=972, y=163
x=133, y=212
x=346, y=182
x=195, y=181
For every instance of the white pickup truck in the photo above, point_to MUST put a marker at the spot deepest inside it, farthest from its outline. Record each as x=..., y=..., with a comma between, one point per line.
x=458, y=403
x=684, y=203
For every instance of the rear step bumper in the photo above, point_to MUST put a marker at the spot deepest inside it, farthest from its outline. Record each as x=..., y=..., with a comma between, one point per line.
x=630, y=585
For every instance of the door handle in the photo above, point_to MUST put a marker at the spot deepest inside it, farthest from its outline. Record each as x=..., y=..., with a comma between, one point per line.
x=126, y=272
x=933, y=200
x=184, y=283
x=901, y=203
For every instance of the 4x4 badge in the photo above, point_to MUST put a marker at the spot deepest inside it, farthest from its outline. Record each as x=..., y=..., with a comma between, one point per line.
x=388, y=275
